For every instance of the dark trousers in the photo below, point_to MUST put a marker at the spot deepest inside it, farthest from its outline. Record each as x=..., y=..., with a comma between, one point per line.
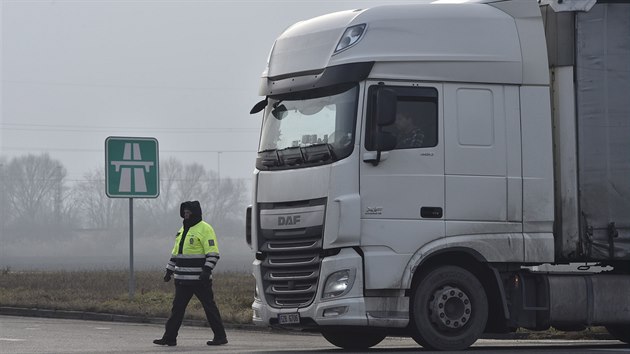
x=183, y=294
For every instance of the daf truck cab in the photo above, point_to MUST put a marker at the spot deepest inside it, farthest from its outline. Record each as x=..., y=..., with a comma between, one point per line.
x=420, y=165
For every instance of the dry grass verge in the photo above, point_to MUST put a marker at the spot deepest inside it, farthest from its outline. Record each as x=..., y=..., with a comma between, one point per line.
x=107, y=291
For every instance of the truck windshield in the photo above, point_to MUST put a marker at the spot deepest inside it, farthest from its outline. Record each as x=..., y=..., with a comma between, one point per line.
x=301, y=130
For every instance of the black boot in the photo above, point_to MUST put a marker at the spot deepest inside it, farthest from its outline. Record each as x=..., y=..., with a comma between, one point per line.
x=162, y=341
x=217, y=341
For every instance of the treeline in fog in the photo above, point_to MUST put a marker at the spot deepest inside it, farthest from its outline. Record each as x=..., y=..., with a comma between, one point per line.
x=47, y=221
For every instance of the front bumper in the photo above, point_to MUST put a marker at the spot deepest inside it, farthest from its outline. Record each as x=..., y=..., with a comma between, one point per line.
x=351, y=309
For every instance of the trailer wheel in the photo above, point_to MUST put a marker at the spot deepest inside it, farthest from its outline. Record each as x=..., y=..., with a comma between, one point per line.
x=353, y=339
x=620, y=332
x=449, y=310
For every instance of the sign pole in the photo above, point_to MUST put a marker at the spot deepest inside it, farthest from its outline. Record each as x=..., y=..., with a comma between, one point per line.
x=131, y=171
x=131, y=277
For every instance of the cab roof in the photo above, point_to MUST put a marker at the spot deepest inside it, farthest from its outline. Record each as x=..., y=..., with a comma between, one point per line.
x=475, y=41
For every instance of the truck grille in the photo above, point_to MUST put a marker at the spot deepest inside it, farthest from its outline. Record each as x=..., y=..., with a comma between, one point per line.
x=291, y=256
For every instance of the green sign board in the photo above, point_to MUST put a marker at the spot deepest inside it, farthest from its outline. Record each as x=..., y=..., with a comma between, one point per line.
x=131, y=167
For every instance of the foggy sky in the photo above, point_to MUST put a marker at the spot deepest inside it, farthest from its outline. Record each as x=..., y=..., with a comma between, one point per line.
x=184, y=72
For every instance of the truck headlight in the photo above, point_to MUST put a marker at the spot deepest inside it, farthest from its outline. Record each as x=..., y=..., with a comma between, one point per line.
x=338, y=283
x=350, y=37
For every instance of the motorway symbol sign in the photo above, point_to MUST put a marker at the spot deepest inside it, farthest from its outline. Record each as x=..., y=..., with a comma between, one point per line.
x=131, y=167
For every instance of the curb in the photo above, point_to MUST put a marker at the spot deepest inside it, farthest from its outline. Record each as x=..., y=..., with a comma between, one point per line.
x=108, y=317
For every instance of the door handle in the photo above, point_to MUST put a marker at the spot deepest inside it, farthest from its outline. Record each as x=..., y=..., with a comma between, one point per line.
x=431, y=212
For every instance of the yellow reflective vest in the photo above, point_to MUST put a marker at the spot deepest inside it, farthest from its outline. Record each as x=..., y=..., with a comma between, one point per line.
x=199, y=251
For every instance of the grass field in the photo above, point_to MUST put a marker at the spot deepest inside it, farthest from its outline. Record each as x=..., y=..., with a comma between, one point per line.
x=108, y=292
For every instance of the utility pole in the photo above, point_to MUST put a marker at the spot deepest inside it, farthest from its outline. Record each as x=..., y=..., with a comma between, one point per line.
x=3, y=198
x=58, y=186
x=219, y=166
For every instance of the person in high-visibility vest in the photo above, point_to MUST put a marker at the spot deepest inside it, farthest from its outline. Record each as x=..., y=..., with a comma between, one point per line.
x=194, y=256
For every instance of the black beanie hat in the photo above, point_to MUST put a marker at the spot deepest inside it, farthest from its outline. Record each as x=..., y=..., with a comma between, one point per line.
x=193, y=206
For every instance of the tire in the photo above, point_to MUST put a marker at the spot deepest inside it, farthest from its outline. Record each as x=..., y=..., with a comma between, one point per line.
x=620, y=332
x=353, y=339
x=449, y=309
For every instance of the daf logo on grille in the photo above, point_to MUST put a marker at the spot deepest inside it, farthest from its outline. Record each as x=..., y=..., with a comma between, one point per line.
x=288, y=220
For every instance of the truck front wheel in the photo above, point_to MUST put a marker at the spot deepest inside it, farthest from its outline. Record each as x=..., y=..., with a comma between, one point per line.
x=449, y=310
x=353, y=339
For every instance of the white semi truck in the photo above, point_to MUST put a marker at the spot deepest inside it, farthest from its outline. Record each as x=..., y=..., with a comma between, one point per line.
x=426, y=170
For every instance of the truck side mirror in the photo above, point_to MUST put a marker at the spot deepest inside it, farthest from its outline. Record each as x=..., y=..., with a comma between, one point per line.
x=385, y=107
x=259, y=106
x=386, y=141
x=385, y=114
x=280, y=112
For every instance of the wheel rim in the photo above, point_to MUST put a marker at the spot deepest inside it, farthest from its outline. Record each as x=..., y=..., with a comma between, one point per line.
x=450, y=308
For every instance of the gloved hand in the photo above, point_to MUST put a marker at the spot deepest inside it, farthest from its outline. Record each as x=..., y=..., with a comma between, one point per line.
x=205, y=276
x=168, y=275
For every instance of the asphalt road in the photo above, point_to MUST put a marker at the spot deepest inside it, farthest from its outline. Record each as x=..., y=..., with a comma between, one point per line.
x=49, y=335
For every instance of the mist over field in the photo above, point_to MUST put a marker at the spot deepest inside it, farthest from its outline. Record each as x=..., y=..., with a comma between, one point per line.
x=48, y=223
x=111, y=252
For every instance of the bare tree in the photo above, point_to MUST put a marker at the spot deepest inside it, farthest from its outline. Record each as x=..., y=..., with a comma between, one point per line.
x=34, y=186
x=193, y=183
x=225, y=197
x=161, y=214
x=96, y=209
x=220, y=199
x=170, y=172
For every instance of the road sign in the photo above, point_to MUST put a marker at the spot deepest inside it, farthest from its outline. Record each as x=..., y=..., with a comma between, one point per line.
x=131, y=167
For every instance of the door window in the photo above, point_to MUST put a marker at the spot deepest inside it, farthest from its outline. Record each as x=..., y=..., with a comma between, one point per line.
x=416, y=124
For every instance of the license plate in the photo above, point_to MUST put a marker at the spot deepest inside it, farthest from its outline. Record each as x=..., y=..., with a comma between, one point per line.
x=289, y=318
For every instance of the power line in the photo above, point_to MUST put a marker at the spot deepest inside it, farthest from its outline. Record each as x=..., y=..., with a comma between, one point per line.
x=119, y=86
x=102, y=150
x=96, y=129
x=114, y=127
x=159, y=130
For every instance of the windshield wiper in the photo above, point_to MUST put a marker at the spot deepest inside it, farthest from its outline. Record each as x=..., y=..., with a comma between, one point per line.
x=319, y=152
x=269, y=158
x=297, y=155
x=293, y=155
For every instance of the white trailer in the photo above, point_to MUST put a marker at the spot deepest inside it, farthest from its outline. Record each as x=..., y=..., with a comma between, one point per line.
x=416, y=161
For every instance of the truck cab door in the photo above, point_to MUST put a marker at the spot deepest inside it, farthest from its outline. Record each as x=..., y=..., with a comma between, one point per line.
x=402, y=190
